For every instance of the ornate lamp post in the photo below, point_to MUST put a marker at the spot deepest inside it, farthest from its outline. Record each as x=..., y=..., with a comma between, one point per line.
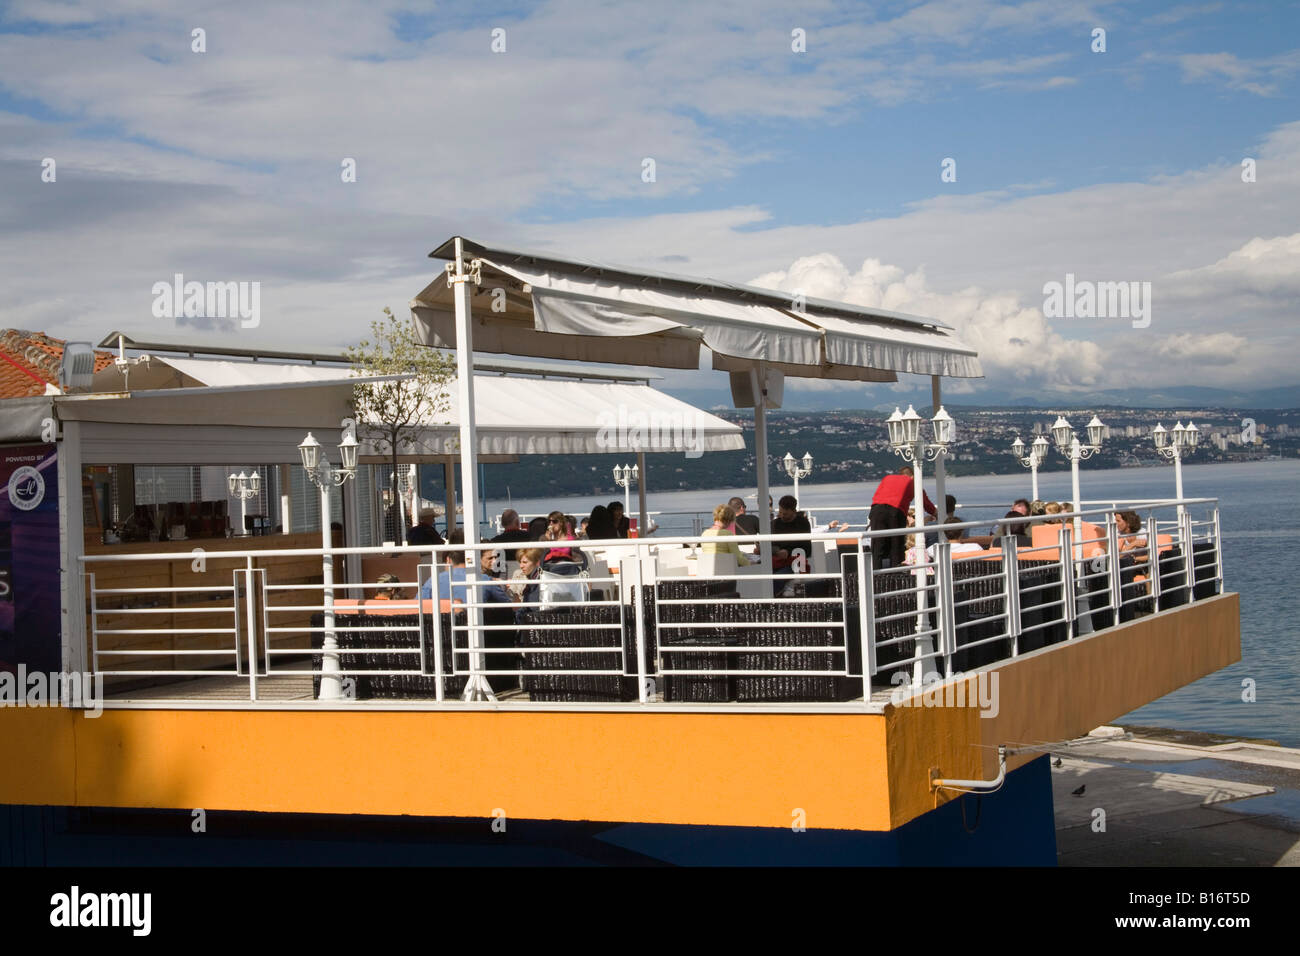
x=1185, y=438
x=244, y=487
x=319, y=472
x=1068, y=444
x=625, y=478
x=905, y=437
x=1037, y=452
x=794, y=470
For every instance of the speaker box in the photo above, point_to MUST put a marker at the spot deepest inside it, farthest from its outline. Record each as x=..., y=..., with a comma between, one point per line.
x=742, y=389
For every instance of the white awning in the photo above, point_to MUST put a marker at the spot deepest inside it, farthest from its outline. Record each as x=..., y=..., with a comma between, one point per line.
x=538, y=305
x=529, y=416
x=221, y=403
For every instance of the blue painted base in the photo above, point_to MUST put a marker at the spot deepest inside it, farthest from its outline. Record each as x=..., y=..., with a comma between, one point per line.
x=1013, y=827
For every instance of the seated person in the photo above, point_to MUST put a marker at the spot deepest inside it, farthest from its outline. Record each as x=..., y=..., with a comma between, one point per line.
x=387, y=593
x=1053, y=508
x=1037, y=508
x=950, y=508
x=529, y=570
x=451, y=583
x=956, y=543
x=915, y=554
x=723, y=517
x=510, y=531
x=745, y=523
x=1012, y=526
x=424, y=533
x=789, y=521
x=537, y=528
x=600, y=525
x=557, y=530
x=1131, y=539
x=622, y=526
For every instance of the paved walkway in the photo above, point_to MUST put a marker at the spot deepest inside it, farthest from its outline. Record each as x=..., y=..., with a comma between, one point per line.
x=1163, y=798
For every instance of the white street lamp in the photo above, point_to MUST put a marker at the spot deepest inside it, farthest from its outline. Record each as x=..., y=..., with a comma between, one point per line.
x=625, y=478
x=793, y=469
x=1185, y=438
x=905, y=437
x=319, y=472
x=1068, y=444
x=1037, y=452
x=244, y=487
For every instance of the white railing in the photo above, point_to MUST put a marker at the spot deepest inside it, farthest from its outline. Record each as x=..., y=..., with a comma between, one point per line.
x=663, y=621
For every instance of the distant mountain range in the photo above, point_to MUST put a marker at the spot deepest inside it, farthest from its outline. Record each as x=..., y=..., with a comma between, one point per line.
x=876, y=397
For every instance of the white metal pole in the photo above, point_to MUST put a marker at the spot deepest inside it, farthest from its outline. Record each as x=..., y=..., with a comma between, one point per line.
x=758, y=376
x=73, y=540
x=1178, y=478
x=243, y=512
x=1033, y=470
x=449, y=499
x=796, y=483
x=286, y=501
x=923, y=645
x=477, y=688
x=940, y=472
x=331, y=687
x=1074, y=479
x=640, y=493
x=627, y=494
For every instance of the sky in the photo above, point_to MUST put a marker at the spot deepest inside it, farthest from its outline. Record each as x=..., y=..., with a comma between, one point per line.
x=949, y=160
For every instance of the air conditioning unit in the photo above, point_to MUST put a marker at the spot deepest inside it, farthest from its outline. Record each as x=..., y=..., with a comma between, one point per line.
x=77, y=370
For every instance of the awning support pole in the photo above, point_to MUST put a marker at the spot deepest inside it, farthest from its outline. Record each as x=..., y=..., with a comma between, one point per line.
x=644, y=524
x=477, y=688
x=449, y=476
x=758, y=375
x=940, y=494
x=286, y=500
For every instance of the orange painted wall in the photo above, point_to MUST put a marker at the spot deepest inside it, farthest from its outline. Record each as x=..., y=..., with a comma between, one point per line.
x=723, y=769
x=1056, y=694
x=845, y=771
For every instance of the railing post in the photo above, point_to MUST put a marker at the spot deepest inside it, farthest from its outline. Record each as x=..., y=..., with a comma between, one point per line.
x=1218, y=554
x=1069, y=597
x=638, y=607
x=436, y=629
x=250, y=608
x=866, y=620
x=1189, y=558
x=1153, y=560
x=947, y=612
x=1082, y=623
x=1112, y=564
x=94, y=625
x=1011, y=575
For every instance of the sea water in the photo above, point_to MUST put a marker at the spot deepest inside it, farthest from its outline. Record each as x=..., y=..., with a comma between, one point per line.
x=1259, y=514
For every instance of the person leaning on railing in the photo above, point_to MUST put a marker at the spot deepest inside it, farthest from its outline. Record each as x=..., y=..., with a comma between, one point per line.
x=888, y=512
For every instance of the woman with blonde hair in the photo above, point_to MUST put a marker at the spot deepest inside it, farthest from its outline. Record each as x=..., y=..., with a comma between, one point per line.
x=723, y=523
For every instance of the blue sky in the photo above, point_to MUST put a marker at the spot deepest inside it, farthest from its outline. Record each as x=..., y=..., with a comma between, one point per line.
x=819, y=168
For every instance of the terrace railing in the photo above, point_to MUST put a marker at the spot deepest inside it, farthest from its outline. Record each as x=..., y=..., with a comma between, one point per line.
x=651, y=623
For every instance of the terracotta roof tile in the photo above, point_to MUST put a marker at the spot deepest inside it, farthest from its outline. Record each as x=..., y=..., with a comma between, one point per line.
x=30, y=360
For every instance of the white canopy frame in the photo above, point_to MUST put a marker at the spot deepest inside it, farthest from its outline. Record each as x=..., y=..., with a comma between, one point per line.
x=543, y=306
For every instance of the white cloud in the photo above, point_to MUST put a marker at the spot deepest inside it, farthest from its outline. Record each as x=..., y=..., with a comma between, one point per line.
x=1015, y=342
x=1261, y=77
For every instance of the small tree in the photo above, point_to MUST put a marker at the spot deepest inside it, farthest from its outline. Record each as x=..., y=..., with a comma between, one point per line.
x=392, y=413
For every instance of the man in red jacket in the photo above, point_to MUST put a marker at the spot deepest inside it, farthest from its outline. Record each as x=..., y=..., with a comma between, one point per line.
x=889, y=511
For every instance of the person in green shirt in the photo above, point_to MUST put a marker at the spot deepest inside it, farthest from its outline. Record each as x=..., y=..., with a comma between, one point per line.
x=723, y=519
